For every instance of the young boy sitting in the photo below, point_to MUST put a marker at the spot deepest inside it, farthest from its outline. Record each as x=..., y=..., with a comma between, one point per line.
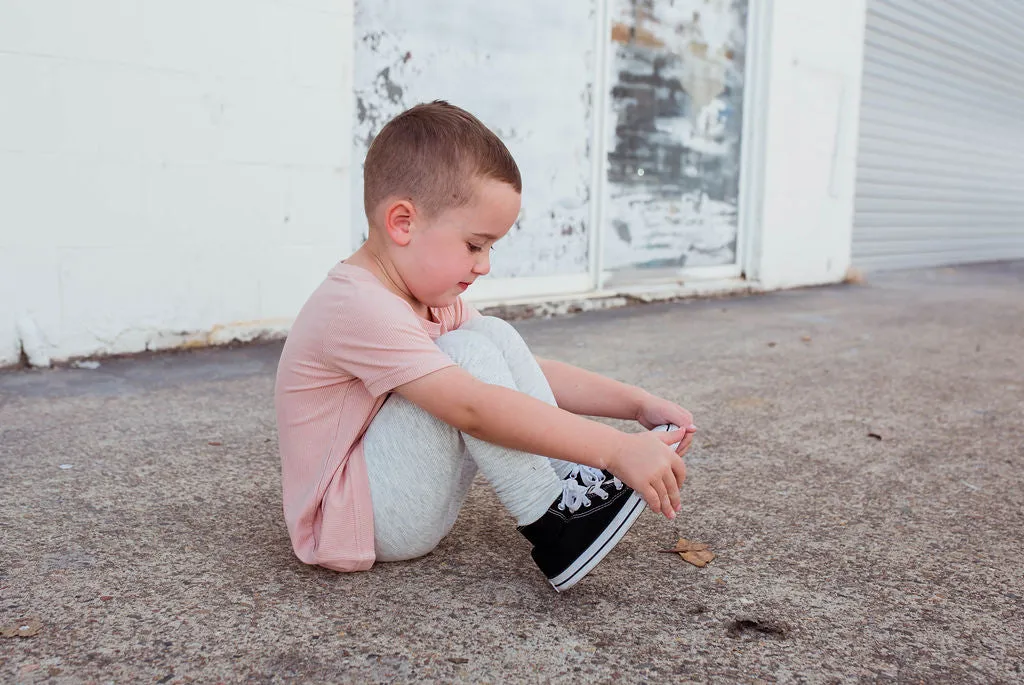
x=392, y=392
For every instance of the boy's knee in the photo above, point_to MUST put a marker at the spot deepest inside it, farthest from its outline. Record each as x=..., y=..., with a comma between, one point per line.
x=472, y=350
x=493, y=327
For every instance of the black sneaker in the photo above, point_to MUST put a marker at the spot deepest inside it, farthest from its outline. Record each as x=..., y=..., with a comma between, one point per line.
x=580, y=528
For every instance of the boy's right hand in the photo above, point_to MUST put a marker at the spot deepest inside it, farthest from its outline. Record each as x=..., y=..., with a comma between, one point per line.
x=649, y=465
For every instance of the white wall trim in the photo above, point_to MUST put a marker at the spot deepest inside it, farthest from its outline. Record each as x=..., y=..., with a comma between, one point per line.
x=615, y=281
x=499, y=290
x=752, y=153
x=599, y=144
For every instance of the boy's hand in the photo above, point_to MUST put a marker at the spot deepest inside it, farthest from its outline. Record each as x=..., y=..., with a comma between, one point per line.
x=655, y=411
x=649, y=466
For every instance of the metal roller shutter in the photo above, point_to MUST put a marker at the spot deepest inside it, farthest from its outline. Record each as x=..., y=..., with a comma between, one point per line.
x=941, y=155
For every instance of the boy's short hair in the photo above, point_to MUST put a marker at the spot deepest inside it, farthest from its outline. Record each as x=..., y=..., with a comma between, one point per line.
x=429, y=154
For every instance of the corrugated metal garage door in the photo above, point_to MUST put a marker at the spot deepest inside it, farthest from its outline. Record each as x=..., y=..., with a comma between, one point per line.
x=941, y=157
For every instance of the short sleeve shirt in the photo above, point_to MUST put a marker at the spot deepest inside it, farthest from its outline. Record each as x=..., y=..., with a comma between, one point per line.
x=352, y=343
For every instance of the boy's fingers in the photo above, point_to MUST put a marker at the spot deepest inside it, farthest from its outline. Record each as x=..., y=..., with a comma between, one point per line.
x=668, y=505
x=673, y=493
x=684, y=446
x=659, y=487
x=671, y=437
x=679, y=469
x=652, y=498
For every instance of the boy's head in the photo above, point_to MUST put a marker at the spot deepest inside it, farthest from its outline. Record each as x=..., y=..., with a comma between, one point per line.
x=430, y=154
x=439, y=190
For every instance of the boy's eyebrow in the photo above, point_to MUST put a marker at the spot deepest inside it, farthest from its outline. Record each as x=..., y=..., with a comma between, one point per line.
x=488, y=236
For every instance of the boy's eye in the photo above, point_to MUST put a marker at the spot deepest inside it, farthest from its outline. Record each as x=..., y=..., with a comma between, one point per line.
x=474, y=248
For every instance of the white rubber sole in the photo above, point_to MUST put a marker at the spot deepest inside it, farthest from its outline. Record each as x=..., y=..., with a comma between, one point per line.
x=597, y=551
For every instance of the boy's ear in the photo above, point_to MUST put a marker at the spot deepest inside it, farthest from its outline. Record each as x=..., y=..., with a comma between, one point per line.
x=398, y=220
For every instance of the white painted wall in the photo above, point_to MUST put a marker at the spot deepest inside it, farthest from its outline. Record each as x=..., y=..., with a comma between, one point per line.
x=805, y=119
x=171, y=172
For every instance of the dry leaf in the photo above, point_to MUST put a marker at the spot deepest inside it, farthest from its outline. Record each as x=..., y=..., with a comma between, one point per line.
x=772, y=344
x=806, y=338
x=698, y=558
x=215, y=443
x=23, y=627
x=458, y=660
x=685, y=545
x=696, y=553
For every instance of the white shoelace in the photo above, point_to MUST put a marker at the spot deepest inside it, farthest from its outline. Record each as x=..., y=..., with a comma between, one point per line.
x=574, y=496
x=588, y=474
x=595, y=480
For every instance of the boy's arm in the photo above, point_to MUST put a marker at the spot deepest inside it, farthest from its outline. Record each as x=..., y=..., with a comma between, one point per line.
x=585, y=392
x=516, y=420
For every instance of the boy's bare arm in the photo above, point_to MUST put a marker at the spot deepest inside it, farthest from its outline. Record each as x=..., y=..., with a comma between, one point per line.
x=585, y=392
x=516, y=420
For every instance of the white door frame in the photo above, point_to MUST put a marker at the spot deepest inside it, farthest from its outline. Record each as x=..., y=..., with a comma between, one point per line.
x=754, y=136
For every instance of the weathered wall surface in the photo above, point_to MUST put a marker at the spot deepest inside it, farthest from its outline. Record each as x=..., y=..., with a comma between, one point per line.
x=676, y=79
x=171, y=173
x=180, y=174
x=526, y=69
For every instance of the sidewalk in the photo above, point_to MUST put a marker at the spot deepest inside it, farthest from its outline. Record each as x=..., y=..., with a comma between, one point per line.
x=141, y=518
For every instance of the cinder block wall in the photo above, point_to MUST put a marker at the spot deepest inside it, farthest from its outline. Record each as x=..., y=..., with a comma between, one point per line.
x=170, y=172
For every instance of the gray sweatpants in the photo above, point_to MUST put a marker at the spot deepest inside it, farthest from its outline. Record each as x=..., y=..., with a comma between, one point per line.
x=421, y=468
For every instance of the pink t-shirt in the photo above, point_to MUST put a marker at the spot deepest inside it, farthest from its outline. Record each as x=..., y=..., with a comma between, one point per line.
x=352, y=343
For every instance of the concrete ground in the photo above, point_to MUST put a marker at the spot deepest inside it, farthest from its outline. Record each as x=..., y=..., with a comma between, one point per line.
x=141, y=514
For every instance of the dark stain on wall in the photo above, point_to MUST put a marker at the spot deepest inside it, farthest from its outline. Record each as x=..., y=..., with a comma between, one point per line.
x=651, y=85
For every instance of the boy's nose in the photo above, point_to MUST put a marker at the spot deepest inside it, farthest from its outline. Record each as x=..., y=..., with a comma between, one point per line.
x=483, y=266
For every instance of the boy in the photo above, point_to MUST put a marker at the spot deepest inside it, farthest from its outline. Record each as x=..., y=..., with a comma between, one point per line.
x=392, y=392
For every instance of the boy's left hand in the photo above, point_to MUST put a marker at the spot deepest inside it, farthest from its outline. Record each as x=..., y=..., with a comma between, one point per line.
x=655, y=411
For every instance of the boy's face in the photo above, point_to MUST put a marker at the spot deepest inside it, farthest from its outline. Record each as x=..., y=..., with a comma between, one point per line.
x=447, y=252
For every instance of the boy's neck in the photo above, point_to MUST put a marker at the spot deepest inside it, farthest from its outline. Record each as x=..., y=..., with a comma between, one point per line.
x=367, y=258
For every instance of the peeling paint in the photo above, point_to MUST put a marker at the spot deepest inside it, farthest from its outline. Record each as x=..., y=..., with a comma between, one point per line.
x=35, y=350
x=537, y=94
x=135, y=340
x=675, y=128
